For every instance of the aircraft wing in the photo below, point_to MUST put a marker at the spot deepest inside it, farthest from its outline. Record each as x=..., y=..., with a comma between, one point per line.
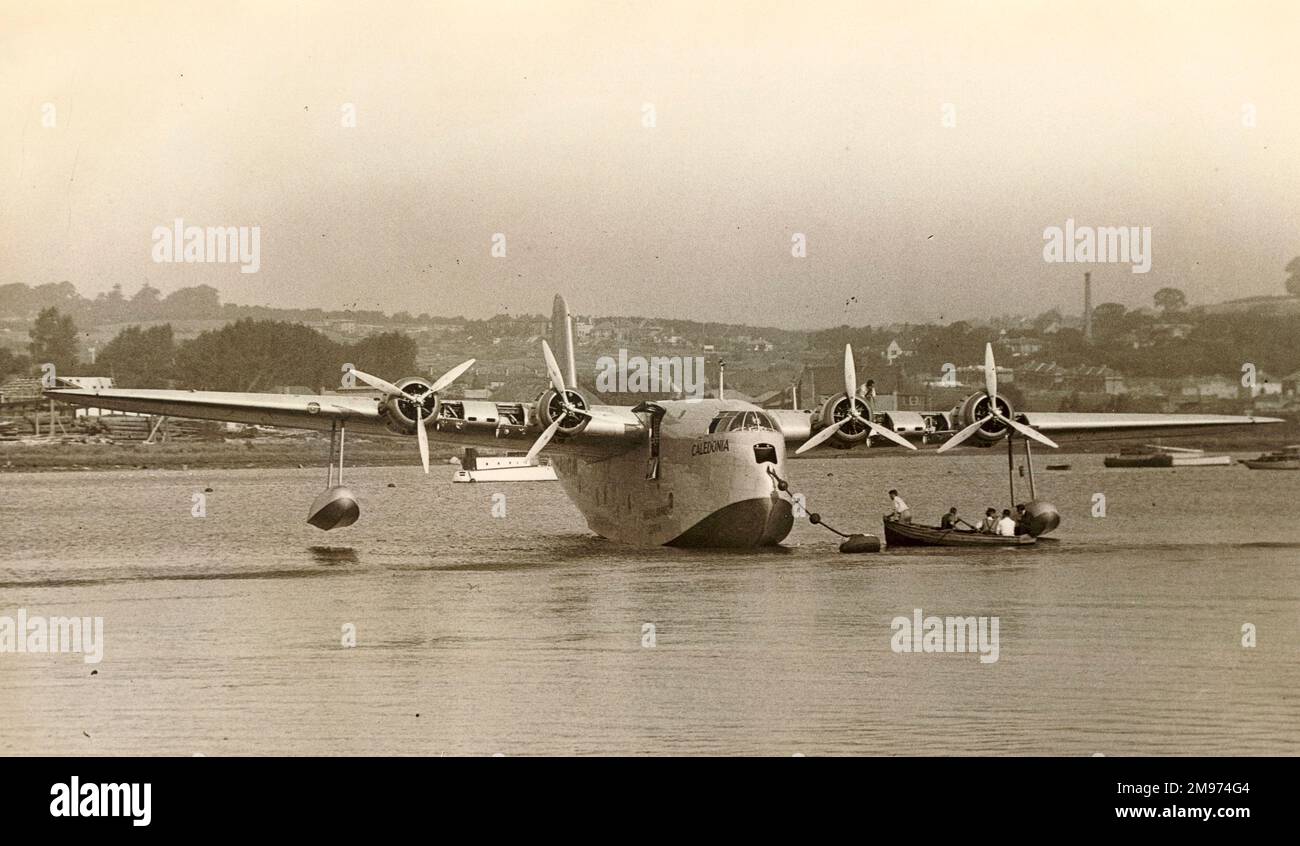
x=1082, y=422
x=503, y=425
x=922, y=427
x=294, y=411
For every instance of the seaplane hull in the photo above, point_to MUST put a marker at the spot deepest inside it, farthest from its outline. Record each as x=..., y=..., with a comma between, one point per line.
x=708, y=490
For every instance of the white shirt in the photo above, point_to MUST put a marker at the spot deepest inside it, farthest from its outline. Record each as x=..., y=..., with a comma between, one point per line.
x=1007, y=527
x=899, y=505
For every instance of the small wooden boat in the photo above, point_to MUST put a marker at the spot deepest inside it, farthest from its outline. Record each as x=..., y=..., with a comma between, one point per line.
x=1163, y=456
x=1287, y=458
x=898, y=533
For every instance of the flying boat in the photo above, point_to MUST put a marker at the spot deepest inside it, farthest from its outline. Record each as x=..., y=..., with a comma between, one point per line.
x=706, y=472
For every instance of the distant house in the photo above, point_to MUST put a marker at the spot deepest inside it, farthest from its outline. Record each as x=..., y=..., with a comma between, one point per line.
x=895, y=351
x=973, y=375
x=1094, y=380
x=1040, y=376
x=1021, y=345
x=29, y=389
x=1208, y=387
x=88, y=383
x=20, y=389
x=1291, y=385
x=1265, y=386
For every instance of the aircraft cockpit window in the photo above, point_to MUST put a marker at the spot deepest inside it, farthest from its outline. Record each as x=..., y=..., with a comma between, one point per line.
x=722, y=422
x=750, y=420
x=739, y=421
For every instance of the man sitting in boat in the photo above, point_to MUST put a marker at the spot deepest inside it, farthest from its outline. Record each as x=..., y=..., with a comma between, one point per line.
x=901, y=511
x=1007, y=525
x=1022, y=520
x=950, y=520
x=989, y=525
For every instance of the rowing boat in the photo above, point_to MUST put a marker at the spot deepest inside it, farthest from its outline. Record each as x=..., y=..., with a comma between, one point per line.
x=898, y=533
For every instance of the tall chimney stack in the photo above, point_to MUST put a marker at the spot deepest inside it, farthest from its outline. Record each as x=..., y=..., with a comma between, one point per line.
x=1087, y=306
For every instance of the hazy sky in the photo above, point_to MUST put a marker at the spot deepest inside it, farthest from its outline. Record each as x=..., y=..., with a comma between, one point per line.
x=527, y=119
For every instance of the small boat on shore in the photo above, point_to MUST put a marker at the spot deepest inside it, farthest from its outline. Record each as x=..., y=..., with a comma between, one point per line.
x=898, y=533
x=1163, y=456
x=1287, y=458
x=503, y=468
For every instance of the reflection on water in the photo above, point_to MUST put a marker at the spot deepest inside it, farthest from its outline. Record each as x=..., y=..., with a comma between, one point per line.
x=524, y=634
x=334, y=554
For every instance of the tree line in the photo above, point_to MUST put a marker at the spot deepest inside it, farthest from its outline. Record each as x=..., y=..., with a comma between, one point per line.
x=246, y=355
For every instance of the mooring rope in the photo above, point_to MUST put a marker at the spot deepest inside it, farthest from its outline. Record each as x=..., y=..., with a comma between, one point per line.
x=813, y=517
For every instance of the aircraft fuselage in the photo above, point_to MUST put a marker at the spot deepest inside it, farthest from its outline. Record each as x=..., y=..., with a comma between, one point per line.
x=711, y=489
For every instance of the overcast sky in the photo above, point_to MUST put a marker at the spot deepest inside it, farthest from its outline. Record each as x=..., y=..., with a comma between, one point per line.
x=770, y=119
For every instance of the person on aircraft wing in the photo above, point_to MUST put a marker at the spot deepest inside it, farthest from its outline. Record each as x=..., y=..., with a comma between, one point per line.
x=1007, y=525
x=901, y=511
x=989, y=525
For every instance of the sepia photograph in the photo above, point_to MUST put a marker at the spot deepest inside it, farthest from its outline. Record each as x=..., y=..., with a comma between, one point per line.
x=564, y=378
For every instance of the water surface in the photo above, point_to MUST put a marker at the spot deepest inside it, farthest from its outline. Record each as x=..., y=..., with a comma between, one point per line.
x=524, y=634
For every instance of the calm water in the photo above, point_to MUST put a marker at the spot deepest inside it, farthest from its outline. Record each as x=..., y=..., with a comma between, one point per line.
x=523, y=635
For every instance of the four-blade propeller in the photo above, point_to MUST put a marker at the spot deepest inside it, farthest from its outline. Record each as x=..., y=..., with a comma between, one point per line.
x=991, y=392
x=851, y=394
x=389, y=389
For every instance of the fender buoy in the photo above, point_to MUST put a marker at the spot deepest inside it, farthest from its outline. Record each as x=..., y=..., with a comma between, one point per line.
x=861, y=543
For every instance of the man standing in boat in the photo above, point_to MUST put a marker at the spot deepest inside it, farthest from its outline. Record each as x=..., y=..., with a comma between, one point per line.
x=901, y=511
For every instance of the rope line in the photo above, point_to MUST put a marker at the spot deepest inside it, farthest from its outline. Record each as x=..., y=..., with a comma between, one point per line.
x=813, y=517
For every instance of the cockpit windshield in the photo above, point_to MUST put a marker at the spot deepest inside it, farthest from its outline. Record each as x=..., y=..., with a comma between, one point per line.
x=738, y=421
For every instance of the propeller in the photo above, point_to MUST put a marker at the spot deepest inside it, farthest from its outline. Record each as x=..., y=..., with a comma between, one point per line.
x=851, y=393
x=389, y=389
x=562, y=392
x=422, y=437
x=991, y=391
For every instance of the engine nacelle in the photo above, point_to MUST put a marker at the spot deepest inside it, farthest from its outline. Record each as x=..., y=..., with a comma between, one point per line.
x=549, y=407
x=976, y=406
x=399, y=413
x=836, y=409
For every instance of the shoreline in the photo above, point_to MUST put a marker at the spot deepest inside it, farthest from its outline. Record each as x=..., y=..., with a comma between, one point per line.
x=232, y=454
x=88, y=453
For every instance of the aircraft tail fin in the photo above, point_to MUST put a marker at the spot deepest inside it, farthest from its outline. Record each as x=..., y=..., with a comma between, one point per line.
x=562, y=340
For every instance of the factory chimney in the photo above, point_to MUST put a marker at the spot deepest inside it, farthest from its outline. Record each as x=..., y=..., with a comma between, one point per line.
x=1087, y=306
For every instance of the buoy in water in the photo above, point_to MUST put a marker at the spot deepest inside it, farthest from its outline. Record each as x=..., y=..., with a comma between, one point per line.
x=1041, y=517
x=861, y=543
